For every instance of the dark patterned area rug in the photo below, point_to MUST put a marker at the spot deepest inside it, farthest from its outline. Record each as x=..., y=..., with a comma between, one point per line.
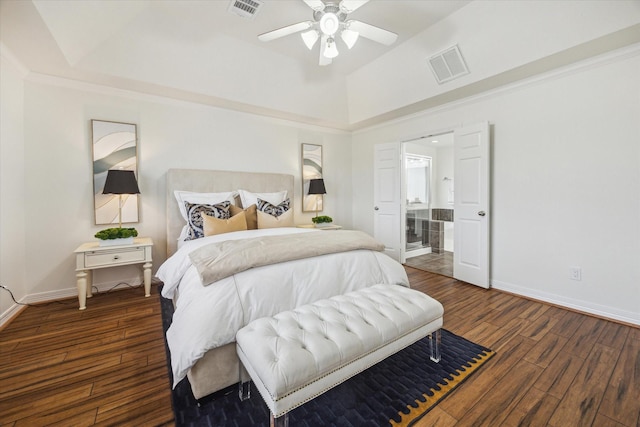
x=396, y=392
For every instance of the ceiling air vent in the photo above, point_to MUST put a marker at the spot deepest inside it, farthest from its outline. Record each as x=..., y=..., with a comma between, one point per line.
x=448, y=65
x=245, y=8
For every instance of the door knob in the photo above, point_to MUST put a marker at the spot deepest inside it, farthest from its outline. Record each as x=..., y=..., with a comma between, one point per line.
x=482, y=213
x=376, y=208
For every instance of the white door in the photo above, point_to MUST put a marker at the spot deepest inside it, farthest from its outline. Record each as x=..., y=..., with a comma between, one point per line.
x=471, y=205
x=386, y=197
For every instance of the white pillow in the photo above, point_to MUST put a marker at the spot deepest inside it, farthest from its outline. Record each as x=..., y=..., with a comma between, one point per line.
x=201, y=198
x=248, y=198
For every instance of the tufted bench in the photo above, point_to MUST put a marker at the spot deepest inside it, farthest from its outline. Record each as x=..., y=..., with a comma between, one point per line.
x=297, y=355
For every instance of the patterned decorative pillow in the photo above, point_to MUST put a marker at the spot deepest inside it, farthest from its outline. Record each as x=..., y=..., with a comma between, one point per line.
x=194, y=216
x=201, y=198
x=266, y=207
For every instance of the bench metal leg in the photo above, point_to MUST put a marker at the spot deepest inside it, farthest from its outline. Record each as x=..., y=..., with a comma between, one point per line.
x=244, y=391
x=434, y=344
x=281, y=421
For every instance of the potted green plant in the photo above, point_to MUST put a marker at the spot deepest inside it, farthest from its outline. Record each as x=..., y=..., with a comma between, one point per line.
x=322, y=221
x=116, y=236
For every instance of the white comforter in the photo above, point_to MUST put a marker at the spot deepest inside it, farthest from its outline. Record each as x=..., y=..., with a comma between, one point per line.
x=207, y=317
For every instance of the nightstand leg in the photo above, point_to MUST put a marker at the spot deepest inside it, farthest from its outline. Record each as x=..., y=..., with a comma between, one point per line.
x=147, y=279
x=81, y=277
x=89, y=284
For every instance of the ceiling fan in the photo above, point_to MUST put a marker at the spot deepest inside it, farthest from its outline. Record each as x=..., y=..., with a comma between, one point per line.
x=329, y=21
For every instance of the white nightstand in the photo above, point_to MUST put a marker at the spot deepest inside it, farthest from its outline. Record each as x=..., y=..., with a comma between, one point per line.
x=90, y=256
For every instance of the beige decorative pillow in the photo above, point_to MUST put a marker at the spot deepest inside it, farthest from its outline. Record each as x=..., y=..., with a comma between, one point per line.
x=213, y=225
x=250, y=214
x=269, y=221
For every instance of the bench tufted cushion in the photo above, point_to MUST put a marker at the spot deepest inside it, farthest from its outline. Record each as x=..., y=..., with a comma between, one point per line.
x=299, y=354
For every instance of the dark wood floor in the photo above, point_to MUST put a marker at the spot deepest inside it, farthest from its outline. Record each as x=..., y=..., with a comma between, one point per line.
x=553, y=367
x=106, y=365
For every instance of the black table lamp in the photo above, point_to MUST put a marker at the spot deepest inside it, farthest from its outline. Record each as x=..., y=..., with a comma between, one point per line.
x=120, y=182
x=316, y=186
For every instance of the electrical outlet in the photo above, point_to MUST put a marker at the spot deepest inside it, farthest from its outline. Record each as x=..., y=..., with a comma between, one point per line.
x=575, y=273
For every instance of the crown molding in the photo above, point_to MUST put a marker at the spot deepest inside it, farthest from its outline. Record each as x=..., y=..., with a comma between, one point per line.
x=154, y=93
x=612, y=47
x=6, y=53
x=607, y=49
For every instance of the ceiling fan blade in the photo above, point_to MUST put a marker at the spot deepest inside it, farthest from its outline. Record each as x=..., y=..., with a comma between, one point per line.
x=316, y=5
x=371, y=32
x=285, y=31
x=348, y=6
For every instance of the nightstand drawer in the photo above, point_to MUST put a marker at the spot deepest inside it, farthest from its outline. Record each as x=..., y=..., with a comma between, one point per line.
x=113, y=257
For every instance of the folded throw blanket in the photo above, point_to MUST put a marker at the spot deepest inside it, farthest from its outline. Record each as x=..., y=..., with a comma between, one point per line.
x=223, y=259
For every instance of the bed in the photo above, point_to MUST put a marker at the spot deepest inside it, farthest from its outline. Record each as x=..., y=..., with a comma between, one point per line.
x=208, y=313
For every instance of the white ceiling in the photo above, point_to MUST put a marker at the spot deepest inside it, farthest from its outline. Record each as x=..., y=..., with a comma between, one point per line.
x=79, y=28
x=197, y=50
x=137, y=45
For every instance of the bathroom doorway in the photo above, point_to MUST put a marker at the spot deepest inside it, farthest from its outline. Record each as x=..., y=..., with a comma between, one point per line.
x=428, y=194
x=418, y=214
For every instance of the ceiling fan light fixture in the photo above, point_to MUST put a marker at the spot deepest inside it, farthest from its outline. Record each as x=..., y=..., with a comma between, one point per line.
x=331, y=51
x=330, y=19
x=309, y=38
x=349, y=37
x=329, y=23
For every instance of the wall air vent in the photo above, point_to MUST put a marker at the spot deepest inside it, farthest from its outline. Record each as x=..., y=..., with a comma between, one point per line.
x=448, y=65
x=245, y=8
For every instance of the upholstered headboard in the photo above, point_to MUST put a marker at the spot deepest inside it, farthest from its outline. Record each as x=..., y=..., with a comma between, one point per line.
x=211, y=181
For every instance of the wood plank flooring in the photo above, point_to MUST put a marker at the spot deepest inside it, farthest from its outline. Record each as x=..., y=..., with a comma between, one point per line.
x=553, y=367
x=106, y=365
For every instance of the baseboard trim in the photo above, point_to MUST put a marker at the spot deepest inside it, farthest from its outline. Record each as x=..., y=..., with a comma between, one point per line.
x=598, y=310
x=10, y=314
x=60, y=294
x=417, y=252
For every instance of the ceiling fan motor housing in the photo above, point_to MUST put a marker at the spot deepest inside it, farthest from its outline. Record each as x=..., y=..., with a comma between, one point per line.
x=330, y=18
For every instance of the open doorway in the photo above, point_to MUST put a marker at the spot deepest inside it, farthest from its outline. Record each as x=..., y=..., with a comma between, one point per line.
x=429, y=196
x=470, y=180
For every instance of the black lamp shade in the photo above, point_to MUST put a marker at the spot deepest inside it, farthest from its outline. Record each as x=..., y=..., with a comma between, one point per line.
x=316, y=186
x=120, y=182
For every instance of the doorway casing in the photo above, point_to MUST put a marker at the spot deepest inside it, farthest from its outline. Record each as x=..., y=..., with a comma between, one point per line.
x=472, y=196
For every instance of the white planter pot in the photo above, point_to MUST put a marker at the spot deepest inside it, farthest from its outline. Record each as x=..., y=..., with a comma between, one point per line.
x=324, y=224
x=116, y=242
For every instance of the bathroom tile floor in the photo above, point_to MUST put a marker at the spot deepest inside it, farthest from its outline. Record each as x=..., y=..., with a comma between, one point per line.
x=435, y=263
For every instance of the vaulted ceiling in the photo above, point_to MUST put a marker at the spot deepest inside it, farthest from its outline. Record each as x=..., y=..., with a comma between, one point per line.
x=202, y=52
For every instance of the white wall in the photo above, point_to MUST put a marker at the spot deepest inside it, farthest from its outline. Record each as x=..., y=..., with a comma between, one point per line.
x=12, y=198
x=57, y=162
x=566, y=176
x=566, y=181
